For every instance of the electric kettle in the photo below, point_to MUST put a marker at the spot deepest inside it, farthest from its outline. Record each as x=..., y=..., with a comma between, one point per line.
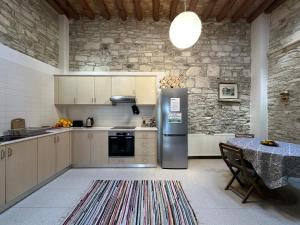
x=89, y=122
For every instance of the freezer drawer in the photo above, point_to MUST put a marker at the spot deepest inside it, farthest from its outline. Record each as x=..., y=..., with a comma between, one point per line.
x=174, y=152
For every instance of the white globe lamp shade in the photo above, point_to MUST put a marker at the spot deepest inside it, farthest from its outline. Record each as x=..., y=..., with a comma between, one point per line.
x=185, y=30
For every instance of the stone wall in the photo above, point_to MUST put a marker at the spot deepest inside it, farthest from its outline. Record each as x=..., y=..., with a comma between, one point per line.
x=284, y=72
x=30, y=27
x=221, y=54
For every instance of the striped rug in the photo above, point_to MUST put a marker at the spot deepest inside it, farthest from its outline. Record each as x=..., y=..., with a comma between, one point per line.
x=124, y=202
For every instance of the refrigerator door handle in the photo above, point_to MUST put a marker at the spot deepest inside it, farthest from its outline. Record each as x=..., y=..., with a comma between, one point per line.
x=174, y=135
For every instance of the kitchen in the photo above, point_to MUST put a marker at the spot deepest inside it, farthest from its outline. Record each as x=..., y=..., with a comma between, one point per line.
x=96, y=96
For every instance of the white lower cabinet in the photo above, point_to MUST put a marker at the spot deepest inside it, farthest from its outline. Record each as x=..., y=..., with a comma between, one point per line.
x=53, y=155
x=145, y=147
x=46, y=157
x=21, y=168
x=2, y=175
x=99, y=148
x=90, y=148
x=63, y=151
x=81, y=148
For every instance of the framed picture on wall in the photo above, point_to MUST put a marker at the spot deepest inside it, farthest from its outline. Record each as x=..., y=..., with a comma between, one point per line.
x=228, y=91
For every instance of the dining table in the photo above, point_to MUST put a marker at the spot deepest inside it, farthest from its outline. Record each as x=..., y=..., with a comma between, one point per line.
x=274, y=165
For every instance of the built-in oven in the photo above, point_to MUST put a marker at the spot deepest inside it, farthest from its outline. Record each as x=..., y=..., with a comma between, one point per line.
x=121, y=143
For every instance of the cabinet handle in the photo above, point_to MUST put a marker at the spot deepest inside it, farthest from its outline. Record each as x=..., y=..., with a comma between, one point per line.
x=9, y=152
x=57, y=140
x=92, y=100
x=3, y=154
x=95, y=100
x=54, y=139
x=74, y=100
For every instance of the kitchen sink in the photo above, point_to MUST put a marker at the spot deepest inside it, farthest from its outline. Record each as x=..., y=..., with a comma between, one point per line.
x=5, y=138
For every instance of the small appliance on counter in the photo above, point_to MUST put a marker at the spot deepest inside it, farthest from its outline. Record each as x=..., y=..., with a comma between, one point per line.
x=89, y=121
x=77, y=123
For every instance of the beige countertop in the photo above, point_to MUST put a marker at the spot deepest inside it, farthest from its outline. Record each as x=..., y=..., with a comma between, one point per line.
x=62, y=130
x=109, y=128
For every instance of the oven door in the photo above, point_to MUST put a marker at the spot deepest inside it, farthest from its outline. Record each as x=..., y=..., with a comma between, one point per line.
x=121, y=146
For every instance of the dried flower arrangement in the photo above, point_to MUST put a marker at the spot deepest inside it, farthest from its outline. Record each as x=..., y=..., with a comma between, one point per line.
x=172, y=81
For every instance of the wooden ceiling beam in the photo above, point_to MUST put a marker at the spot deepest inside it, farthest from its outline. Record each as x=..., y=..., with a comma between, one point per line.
x=56, y=7
x=155, y=9
x=68, y=9
x=103, y=9
x=193, y=5
x=138, y=10
x=245, y=5
x=259, y=10
x=274, y=6
x=89, y=12
x=173, y=9
x=208, y=10
x=121, y=9
x=225, y=10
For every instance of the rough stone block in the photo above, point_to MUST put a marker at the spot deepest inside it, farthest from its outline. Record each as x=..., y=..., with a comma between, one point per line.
x=213, y=70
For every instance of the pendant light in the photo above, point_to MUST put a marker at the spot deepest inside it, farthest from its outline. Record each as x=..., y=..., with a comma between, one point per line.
x=185, y=29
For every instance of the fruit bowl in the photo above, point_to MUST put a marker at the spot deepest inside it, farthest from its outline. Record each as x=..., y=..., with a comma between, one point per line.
x=269, y=143
x=63, y=123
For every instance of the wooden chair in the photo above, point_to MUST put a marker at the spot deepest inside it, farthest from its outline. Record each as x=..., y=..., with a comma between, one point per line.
x=234, y=159
x=244, y=135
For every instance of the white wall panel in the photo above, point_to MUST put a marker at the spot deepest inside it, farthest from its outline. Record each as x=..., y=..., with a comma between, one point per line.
x=206, y=145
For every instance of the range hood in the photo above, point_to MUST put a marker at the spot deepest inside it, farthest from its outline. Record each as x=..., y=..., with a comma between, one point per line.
x=122, y=99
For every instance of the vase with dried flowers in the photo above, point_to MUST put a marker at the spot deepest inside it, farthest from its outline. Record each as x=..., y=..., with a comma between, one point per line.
x=172, y=81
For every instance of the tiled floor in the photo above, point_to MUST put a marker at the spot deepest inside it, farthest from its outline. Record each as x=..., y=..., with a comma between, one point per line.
x=203, y=183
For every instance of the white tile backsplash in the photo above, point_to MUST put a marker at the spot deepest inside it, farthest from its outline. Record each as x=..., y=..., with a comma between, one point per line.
x=109, y=115
x=25, y=93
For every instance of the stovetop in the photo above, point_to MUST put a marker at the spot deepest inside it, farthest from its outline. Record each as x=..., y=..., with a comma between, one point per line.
x=123, y=128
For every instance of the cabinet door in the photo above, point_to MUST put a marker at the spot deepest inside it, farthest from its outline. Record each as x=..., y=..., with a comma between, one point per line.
x=145, y=147
x=85, y=90
x=123, y=86
x=46, y=157
x=145, y=88
x=62, y=151
x=99, y=148
x=81, y=152
x=102, y=90
x=67, y=90
x=21, y=168
x=56, y=90
x=2, y=176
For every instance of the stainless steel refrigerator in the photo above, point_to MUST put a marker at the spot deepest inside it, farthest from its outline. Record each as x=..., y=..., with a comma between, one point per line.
x=174, y=128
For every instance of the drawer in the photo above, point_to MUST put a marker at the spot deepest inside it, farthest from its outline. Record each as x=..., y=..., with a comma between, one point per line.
x=152, y=159
x=145, y=135
x=121, y=160
x=145, y=147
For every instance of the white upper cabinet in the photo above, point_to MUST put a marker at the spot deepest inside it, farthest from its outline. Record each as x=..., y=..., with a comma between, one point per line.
x=85, y=90
x=98, y=89
x=67, y=88
x=102, y=90
x=123, y=86
x=145, y=88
